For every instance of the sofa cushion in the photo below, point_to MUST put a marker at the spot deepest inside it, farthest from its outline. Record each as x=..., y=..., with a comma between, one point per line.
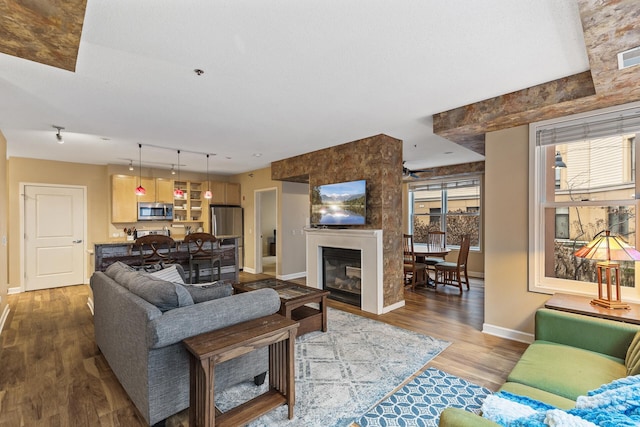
x=209, y=291
x=537, y=394
x=164, y=295
x=565, y=371
x=116, y=268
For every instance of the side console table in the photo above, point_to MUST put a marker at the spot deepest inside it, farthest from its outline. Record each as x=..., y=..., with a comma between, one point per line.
x=215, y=347
x=582, y=305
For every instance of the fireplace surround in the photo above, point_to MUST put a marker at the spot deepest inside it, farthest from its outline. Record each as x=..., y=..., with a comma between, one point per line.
x=369, y=242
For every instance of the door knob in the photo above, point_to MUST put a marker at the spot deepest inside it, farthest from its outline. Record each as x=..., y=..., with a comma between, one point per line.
x=77, y=241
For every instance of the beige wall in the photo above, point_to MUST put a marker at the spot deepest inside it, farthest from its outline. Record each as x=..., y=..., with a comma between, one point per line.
x=4, y=266
x=93, y=177
x=292, y=204
x=508, y=303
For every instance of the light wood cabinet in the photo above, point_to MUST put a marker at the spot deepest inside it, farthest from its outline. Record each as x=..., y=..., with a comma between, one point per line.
x=233, y=194
x=192, y=206
x=124, y=202
x=159, y=190
x=149, y=185
x=218, y=190
x=225, y=193
x=164, y=190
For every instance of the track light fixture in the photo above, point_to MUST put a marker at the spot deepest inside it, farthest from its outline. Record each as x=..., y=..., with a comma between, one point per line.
x=140, y=191
x=58, y=134
x=173, y=170
x=207, y=194
x=177, y=191
x=130, y=165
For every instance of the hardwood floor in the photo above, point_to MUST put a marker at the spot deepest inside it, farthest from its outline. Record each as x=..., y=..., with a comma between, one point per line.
x=52, y=373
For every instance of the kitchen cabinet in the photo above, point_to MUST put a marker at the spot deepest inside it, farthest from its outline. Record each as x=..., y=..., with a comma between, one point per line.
x=192, y=206
x=159, y=190
x=164, y=190
x=225, y=193
x=124, y=202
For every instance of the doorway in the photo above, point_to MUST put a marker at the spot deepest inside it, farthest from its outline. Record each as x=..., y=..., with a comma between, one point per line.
x=54, y=230
x=266, y=231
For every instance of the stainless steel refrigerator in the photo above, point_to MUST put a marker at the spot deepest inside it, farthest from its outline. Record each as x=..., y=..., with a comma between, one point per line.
x=227, y=221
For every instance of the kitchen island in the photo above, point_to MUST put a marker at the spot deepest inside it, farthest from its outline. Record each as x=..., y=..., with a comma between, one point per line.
x=110, y=252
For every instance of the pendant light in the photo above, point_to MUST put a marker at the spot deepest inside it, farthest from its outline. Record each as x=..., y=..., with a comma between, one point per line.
x=140, y=191
x=177, y=192
x=207, y=194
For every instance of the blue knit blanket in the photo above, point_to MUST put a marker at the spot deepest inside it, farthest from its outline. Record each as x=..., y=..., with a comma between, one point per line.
x=616, y=404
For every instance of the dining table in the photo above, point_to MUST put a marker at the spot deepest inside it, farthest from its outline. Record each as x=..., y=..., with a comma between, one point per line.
x=423, y=252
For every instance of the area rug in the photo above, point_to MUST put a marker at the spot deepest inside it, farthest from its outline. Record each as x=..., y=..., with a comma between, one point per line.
x=420, y=402
x=343, y=372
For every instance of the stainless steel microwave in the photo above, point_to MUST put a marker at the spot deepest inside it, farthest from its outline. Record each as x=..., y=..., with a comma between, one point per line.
x=155, y=211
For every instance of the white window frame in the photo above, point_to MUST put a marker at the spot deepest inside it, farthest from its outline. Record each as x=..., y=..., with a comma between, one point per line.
x=537, y=280
x=444, y=200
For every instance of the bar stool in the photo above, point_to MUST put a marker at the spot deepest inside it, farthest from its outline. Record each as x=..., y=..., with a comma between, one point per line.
x=155, y=249
x=202, y=254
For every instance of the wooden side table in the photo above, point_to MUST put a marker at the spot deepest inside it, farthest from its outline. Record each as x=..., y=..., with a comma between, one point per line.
x=215, y=347
x=582, y=305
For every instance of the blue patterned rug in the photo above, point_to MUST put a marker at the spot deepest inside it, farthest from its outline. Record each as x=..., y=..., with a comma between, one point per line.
x=342, y=373
x=420, y=402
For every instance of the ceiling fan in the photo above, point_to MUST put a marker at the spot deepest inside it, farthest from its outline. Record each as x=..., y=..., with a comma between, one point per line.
x=411, y=173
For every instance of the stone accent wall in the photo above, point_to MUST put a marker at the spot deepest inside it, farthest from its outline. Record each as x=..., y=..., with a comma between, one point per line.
x=378, y=159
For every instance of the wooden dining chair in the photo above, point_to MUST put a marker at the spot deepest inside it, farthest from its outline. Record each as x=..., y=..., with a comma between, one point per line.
x=436, y=240
x=155, y=249
x=412, y=270
x=450, y=273
x=201, y=252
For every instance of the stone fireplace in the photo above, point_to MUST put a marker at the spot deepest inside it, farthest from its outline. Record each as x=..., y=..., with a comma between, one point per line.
x=369, y=243
x=342, y=274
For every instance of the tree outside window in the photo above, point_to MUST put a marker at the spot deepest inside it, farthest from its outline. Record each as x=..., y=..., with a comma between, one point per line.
x=459, y=199
x=593, y=189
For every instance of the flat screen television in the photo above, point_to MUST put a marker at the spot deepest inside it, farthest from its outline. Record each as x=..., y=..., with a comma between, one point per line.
x=343, y=203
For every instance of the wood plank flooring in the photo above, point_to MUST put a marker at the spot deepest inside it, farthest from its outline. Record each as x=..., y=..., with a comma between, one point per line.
x=52, y=373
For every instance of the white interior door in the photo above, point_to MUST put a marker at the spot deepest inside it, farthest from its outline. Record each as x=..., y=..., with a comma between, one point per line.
x=54, y=236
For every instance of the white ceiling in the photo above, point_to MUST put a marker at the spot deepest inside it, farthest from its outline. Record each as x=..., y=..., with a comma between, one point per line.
x=281, y=78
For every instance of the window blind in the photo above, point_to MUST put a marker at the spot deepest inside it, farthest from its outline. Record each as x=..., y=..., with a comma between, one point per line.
x=619, y=122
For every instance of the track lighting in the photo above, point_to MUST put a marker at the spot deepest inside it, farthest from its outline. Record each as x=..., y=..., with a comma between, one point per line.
x=140, y=191
x=177, y=191
x=58, y=134
x=130, y=165
x=173, y=170
x=208, y=194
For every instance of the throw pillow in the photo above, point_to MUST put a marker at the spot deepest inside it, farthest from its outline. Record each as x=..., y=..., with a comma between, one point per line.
x=170, y=274
x=164, y=295
x=117, y=271
x=209, y=291
x=632, y=359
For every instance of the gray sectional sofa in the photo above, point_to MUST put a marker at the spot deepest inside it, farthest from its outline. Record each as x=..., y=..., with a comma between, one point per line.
x=140, y=321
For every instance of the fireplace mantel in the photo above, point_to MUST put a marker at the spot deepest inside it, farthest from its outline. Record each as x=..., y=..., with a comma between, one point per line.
x=369, y=242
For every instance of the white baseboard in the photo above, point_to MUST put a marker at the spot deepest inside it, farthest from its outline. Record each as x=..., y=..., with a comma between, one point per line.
x=509, y=334
x=392, y=307
x=476, y=274
x=249, y=270
x=12, y=291
x=3, y=318
x=293, y=276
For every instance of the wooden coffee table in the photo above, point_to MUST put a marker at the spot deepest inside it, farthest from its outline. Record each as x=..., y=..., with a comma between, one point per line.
x=293, y=302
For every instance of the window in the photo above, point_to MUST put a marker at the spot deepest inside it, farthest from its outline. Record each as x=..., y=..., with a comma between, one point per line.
x=584, y=183
x=460, y=202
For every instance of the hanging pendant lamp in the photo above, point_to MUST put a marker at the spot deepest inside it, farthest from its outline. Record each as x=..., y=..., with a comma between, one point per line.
x=207, y=194
x=177, y=191
x=140, y=190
